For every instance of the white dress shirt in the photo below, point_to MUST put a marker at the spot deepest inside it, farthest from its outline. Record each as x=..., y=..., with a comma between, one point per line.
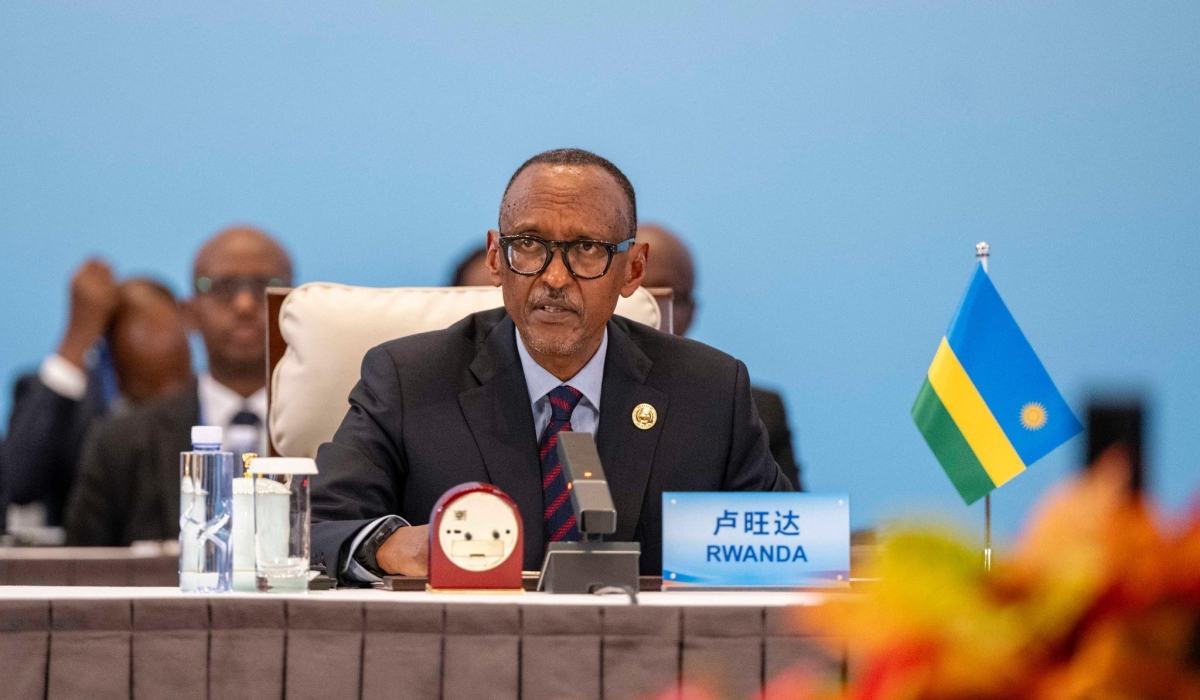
x=588, y=381
x=63, y=378
x=219, y=404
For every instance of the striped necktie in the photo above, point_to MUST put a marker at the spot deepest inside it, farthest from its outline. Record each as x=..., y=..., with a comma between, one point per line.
x=558, y=517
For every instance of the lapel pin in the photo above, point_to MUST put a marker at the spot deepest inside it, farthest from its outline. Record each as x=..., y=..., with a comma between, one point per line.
x=644, y=416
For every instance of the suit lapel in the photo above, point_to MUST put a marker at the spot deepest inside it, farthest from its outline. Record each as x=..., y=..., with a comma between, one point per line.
x=501, y=421
x=626, y=451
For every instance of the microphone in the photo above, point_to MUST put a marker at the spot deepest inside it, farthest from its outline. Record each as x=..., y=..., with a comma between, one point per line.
x=591, y=565
x=595, y=513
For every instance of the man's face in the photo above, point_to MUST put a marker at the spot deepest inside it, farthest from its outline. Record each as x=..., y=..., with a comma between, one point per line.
x=228, y=309
x=150, y=351
x=559, y=315
x=670, y=266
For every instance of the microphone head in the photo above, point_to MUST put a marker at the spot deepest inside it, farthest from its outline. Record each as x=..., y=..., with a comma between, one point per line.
x=595, y=513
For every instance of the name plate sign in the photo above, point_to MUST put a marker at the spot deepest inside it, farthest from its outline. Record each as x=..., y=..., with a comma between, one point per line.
x=755, y=540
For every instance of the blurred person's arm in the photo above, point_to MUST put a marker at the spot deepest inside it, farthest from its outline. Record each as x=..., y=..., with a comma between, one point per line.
x=43, y=441
x=93, y=301
x=48, y=418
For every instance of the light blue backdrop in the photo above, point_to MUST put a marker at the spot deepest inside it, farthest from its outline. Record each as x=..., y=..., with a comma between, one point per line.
x=832, y=163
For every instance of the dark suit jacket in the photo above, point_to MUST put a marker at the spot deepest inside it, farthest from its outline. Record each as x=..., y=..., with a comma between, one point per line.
x=774, y=417
x=438, y=409
x=127, y=488
x=45, y=435
x=3, y=493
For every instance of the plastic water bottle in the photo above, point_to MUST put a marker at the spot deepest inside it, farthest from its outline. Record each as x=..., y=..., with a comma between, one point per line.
x=205, y=514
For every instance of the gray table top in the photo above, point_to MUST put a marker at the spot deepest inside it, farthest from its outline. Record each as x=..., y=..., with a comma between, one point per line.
x=666, y=598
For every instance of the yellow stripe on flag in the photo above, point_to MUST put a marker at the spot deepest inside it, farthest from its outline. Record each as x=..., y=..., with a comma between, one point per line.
x=973, y=417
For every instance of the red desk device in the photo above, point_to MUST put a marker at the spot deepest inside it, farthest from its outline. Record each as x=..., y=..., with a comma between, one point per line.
x=475, y=541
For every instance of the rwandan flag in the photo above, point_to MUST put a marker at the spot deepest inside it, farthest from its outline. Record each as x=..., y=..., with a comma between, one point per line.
x=988, y=409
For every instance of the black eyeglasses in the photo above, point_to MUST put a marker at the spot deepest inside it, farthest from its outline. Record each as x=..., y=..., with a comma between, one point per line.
x=584, y=258
x=227, y=288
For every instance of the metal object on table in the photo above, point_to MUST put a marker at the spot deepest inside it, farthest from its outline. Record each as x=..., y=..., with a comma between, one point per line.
x=983, y=252
x=529, y=580
x=592, y=564
x=475, y=541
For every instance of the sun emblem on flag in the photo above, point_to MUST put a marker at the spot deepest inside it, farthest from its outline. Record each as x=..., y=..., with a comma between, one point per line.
x=1033, y=416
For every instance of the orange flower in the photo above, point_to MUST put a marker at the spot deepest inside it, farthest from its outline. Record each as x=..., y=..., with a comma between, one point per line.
x=1097, y=600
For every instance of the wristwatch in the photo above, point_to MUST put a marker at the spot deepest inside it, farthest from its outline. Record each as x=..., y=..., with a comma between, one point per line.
x=365, y=556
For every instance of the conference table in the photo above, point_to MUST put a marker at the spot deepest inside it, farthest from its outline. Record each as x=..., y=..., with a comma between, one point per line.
x=61, y=642
x=112, y=623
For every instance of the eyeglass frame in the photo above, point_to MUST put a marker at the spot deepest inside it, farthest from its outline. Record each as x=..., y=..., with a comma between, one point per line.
x=612, y=248
x=204, y=285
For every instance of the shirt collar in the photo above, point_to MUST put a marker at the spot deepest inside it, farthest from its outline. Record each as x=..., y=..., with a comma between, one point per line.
x=219, y=404
x=588, y=380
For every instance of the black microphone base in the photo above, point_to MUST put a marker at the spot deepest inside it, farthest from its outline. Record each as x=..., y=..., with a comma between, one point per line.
x=584, y=567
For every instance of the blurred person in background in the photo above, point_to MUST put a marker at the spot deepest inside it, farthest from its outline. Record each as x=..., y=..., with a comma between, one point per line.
x=128, y=484
x=3, y=500
x=472, y=270
x=125, y=344
x=670, y=265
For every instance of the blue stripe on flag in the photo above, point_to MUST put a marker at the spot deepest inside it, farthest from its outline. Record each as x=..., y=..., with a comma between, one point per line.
x=1007, y=372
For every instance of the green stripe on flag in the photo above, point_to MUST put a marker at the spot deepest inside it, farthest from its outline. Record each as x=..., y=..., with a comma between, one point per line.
x=949, y=446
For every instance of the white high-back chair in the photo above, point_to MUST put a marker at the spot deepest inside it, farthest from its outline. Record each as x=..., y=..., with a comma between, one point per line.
x=328, y=328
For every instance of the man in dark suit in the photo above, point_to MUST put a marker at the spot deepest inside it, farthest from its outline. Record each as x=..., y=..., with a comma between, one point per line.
x=671, y=266
x=128, y=483
x=135, y=331
x=485, y=399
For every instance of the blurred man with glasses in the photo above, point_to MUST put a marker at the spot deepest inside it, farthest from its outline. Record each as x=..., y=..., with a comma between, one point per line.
x=485, y=399
x=231, y=275
x=128, y=483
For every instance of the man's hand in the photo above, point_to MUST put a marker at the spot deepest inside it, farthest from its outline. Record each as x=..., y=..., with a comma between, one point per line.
x=93, y=302
x=405, y=552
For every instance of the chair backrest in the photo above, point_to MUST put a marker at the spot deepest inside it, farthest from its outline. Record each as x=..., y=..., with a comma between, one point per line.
x=324, y=330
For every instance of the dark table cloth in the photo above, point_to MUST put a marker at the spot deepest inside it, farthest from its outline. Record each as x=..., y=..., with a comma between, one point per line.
x=60, y=643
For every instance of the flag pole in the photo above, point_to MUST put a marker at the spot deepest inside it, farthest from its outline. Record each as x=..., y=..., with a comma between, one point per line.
x=982, y=253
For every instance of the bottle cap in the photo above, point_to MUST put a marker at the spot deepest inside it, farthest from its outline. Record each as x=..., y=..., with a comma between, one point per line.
x=207, y=434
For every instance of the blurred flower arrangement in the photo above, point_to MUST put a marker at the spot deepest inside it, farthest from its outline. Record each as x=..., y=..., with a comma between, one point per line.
x=1100, y=600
